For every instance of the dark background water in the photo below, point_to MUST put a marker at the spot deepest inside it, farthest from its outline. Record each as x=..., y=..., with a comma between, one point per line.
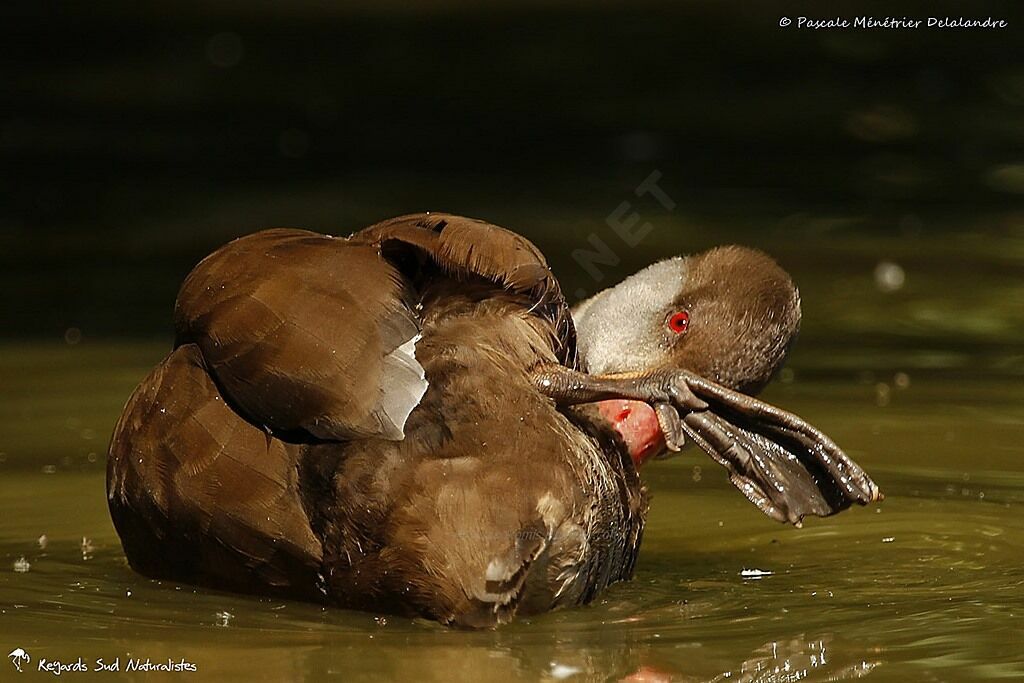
x=883, y=168
x=135, y=137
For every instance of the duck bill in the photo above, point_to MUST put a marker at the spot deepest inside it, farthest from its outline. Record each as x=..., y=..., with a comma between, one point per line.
x=637, y=424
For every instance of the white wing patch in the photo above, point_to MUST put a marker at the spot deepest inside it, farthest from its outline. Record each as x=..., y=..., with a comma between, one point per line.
x=402, y=386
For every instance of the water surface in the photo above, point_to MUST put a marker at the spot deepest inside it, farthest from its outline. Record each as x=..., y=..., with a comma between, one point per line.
x=921, y=384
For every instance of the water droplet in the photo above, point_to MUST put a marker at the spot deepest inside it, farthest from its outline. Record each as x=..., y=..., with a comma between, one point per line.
x=87, y=548
x=755, y=573
x=560, y=671
x=889, y=276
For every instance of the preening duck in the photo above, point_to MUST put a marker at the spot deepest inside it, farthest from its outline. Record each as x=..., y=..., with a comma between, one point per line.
x=405, y=421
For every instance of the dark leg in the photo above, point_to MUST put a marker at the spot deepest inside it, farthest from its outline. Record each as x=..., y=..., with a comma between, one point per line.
x=784, y=465
x=666, y=391
x=569, y=387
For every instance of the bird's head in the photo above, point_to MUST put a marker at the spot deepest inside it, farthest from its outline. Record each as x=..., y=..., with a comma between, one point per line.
x=729, y=314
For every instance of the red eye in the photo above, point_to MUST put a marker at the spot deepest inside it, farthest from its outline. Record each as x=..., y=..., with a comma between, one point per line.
x=679, y=322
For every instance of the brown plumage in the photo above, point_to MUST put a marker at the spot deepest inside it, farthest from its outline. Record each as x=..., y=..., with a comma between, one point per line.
x=384, y=422
x=257, y=456
x=199, y=494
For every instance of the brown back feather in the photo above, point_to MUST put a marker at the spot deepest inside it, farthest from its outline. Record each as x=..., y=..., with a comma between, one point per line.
x=467, y=246
x=298, y=330
x=197, y=493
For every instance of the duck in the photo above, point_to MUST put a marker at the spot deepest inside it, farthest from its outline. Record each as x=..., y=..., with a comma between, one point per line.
x=412, y=420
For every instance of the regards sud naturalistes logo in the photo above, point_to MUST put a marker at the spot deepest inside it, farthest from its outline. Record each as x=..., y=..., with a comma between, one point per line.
x=22, y=661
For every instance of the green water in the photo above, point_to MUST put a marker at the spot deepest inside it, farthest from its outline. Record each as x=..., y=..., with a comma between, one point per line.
x=922, y=385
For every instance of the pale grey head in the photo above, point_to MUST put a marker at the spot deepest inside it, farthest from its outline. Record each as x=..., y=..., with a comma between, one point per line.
x=729, y=314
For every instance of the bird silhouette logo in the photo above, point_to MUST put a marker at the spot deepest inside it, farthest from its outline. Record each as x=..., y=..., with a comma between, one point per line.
x=19, y=657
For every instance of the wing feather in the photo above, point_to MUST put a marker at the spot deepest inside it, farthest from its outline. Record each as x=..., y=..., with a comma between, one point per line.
x=313, y=334
x=467, y=246
x=197, y=493
x=301, y=330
